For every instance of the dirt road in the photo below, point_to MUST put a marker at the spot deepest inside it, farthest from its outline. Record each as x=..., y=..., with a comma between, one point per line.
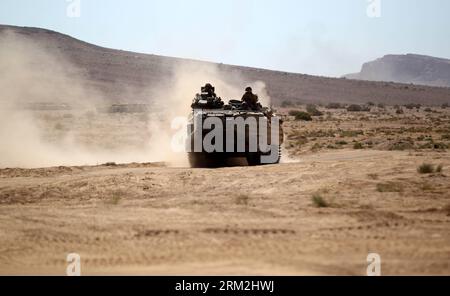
x=152, y=219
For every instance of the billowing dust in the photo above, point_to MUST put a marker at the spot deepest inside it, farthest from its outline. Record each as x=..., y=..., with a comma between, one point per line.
x=77, y=132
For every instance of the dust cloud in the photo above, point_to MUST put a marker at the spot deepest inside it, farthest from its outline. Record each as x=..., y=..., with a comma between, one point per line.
x=32, y=77
x=82, y=135
x=186, y=80
x=36, y=137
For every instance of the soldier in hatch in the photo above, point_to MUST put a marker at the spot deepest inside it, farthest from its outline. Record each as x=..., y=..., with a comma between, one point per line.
x=209, y=90
x=250, y=99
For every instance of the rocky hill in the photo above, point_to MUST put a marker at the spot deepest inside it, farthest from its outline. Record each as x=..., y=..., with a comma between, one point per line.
x=121, y=75
x=409, y=68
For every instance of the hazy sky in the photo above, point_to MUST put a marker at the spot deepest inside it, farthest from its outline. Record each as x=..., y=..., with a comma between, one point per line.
x=323, y=37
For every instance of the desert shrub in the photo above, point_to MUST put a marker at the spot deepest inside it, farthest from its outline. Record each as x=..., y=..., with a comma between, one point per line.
x=428, y=168
x=428, y=109
x=399, y=111
x=115, y=197
x=242, y=199
x=341, y=143
x=389, y=187
x=320, y=134
x=440, y=146
x=312, y=109
x=296, y=134
x=319, y=201
x=412, y=106
x=304, y=116
x=301, y=141
x=432, y=145
x=401, y=145
x=426, y=186
x=428, y=145
x=293, y=112
x=425, y=168
x=358, y=145
x=381, y=106
x=316, y=147
x=354, y=108
x=370, y=103
x=334, y=106
x=445, y=106
x=350, y=134
x=373, y=176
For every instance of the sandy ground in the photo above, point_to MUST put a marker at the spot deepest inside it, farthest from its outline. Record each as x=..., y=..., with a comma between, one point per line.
x=349, y=186
x=151, y=219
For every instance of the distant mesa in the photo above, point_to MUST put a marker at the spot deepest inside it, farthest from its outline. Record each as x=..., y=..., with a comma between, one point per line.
x=409, y=68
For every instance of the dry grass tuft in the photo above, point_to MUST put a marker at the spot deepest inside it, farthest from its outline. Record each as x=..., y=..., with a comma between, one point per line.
x=319, y=201
x=389, y=187
x=242, y=200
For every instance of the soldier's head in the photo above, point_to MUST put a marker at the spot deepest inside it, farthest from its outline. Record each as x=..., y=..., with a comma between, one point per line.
x=208, y=88
x=248, y=89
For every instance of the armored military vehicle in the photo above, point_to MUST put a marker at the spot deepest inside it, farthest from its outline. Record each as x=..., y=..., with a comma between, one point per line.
x=219, y=131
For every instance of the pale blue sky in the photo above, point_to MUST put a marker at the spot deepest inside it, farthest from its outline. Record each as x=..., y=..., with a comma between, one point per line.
x=323, y=37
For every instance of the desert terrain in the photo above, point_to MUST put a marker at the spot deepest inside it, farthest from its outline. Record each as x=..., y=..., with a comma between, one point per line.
x=350, y=183
x=86, y=167
x=130, y=77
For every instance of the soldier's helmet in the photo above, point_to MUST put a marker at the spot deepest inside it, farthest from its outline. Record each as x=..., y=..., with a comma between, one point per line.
x=248, y=89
